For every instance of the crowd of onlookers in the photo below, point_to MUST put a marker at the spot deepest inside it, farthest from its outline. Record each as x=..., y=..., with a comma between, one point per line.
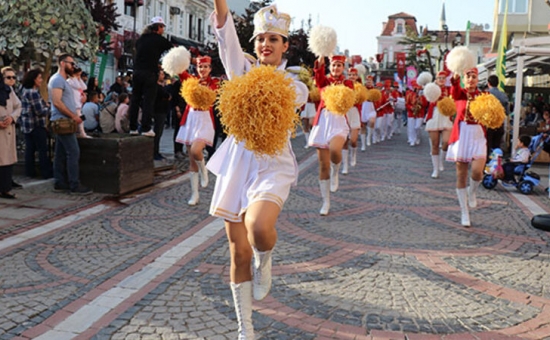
x=25, y=113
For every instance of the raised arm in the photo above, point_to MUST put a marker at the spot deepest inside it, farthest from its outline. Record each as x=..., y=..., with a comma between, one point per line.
x=221, y=10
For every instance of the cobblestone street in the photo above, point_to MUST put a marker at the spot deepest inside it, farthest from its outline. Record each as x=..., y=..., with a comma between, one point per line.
x=390, y=261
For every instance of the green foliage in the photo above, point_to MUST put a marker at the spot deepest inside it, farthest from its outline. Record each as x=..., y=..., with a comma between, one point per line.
x=245, y=24
x=37, y=30
x=415, y=43
x=105, y=15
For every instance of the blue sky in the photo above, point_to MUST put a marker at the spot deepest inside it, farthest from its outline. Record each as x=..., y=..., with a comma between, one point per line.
x=359, y=22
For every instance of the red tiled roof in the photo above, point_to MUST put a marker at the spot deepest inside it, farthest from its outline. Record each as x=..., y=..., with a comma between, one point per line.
x=410, y=21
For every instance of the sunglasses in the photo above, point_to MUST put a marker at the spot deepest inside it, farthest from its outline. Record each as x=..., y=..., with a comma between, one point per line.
x=70, y=62
x=10, y=77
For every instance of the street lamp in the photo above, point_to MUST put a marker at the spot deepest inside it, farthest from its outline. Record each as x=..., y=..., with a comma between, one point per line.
x=458, y=39
x=446, y=29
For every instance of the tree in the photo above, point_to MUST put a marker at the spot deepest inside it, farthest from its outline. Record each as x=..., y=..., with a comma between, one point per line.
x=245, y=24
x=105, y=15
x=298, y=52
x=34, y=31
x=417, y=48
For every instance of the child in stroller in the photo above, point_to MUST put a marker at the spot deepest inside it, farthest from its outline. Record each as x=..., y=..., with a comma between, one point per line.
x=525, y=181
x=518, y=162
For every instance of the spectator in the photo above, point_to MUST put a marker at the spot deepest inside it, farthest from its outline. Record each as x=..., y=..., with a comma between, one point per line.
x=67, y=151
x=33, y=124
x=84, y=77
x=521, y=157
x=79, y=93
x=162, y=104
x=122, y=121
x=149, y=47
x=108, y=113
x=178, y=104
x=93, y=85
x=90, y=112
x=118, y=87
x=10, y=109
x=494, y=136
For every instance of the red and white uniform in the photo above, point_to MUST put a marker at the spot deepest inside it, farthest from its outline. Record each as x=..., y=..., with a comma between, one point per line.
x=467, y=141
x=416, y=107
x=435, y=121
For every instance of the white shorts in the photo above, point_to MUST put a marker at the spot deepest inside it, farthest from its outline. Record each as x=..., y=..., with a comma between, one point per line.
x=470, y=145
x=244, y=178
x=197, y=127
x=309, y=111
x=439, y=122
x=329, y=126
x=354, y=120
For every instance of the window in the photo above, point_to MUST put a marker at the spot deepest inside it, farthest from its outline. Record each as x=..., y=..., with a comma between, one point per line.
x=514, y=6
x=181, y=21
x=190, y=32
x=399, y=29
x=199, y=30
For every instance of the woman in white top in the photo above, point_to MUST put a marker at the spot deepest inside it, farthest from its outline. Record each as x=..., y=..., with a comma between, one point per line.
x=251, y=189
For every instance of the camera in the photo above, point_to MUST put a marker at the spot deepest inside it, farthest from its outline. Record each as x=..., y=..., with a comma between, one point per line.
x=83, y=117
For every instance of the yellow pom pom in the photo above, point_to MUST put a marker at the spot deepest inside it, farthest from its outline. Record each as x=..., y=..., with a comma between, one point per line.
x=446, y=106
x=338, y=98
x=374, y=95
x=314, y=95
x=198, y=96
x=361, y=93
x=259, y=109
x=488, y=111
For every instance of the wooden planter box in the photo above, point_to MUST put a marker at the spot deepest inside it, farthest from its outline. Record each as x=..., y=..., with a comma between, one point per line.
x=116, y=164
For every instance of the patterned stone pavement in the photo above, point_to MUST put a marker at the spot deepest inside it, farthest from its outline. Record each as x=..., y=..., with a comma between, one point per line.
x=390, y=261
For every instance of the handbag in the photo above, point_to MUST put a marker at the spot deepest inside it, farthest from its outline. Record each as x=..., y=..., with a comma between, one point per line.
x=63, y=126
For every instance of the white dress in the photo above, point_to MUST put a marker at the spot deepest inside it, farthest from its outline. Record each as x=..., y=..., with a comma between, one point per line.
x=367, y=111
x=353, y=117
x=242, y=176
x=329, y=126
x=309, y=111
x=439, y=122
x=471, y=144
x=198, y=127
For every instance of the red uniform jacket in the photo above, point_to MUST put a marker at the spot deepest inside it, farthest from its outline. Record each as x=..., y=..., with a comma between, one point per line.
x=413, y=99
x=460, y=97
x=323, y=81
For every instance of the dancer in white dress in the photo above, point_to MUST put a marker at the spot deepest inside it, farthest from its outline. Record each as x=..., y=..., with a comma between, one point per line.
x=251, y=189
x=368, y=117
x=349, y=152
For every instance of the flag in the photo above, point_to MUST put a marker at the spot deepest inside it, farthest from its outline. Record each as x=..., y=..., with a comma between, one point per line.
x=467, y=39
x=501, y=57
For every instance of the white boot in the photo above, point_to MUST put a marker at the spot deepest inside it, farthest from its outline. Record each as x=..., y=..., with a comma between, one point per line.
x=345, y=154
x=442, y=155
x=242, y=299
x=194, y=189
x=203, y=173
x=369, y=135
x=306, y=134
x=462, y=198
x=435, y=163
x=472, y=189
x=363, y=141
x=261, y=273
x=353, y=156
x=325, y=193
x=334, y=168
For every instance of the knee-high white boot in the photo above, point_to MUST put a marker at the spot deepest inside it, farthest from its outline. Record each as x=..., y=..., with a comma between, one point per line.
x=442, y=155
x=353, y=156
x=369, y=135
x=472, y=189
x=363, y=141
x=242, y=299
x=334, y=168
x=435, y=163
x=261, y=273
x=324, y=184
x=194, y=189
x=345, y=156
x=203, y=173
x=462, y=198
x=306, y=134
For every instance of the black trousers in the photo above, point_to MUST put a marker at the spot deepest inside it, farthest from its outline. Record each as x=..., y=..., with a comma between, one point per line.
x=6, y=177
x=494, y=138
x=144, y=92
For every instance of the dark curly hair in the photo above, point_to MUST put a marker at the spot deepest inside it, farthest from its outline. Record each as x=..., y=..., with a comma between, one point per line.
x=30, y=76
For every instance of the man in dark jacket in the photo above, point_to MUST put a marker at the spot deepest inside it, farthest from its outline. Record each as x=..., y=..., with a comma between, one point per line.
x=494, y=136
x=149, y=48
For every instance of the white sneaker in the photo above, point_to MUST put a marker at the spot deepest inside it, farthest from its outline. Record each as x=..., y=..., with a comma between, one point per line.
x=149, y=133
x=134, y=132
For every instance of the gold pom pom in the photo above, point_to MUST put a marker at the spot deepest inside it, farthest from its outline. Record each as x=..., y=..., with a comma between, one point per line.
x=259, y=109
x=198, y=96
x=446, y=106
x=488, y=111
x=314, y=95
x=374, y=95
x=361, y=93
x=338, y=98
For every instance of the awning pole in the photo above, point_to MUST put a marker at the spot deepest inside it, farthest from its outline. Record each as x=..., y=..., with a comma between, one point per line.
x=517, y=102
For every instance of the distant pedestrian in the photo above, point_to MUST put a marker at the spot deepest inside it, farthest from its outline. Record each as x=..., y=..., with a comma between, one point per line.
x=162, y=106
x=494, y=136
x=149, y=48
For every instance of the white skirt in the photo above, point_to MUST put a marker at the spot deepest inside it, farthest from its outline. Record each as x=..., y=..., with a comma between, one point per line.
x=354, y=120
x=244, y=178
x=470, y=145
x=198, y=127
x=439, y=122
x=368, y=112
x=329, y=126
x=309, y=111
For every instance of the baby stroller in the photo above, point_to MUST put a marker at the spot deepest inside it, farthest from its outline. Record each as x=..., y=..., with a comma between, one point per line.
x=525, y=181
